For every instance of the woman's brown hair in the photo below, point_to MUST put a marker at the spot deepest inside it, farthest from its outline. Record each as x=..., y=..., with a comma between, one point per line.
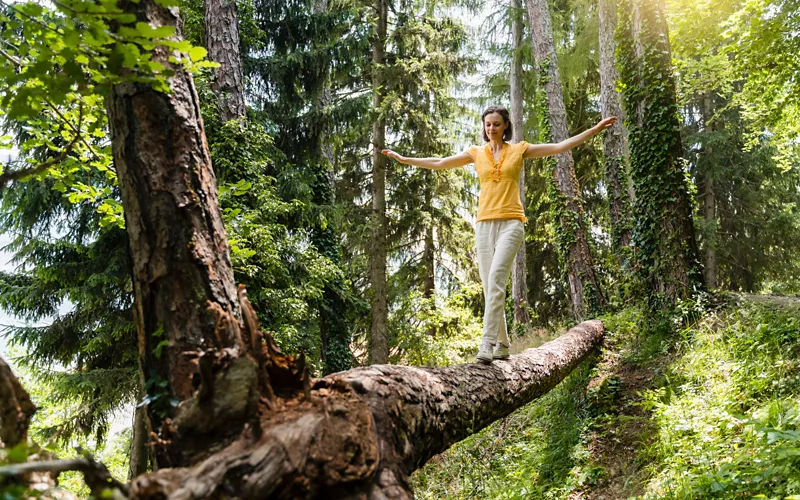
x=500, y=110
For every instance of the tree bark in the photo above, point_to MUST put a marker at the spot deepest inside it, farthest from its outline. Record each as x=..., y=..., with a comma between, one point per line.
x=178, y=245
x=16, y=408
x=614, y=140
x=519, y=276
x=361, y=433
x=222, y=42
x=138, y=449
x=379, y=336
x=584, y=286
x=709, y=201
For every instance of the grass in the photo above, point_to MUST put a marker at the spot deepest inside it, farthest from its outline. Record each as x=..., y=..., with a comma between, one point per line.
x=674, y=411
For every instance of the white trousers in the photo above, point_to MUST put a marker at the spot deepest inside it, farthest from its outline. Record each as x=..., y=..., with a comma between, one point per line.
x=497, y=242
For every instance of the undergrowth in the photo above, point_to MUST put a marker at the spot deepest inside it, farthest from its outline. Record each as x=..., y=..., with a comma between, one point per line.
x=714, y=413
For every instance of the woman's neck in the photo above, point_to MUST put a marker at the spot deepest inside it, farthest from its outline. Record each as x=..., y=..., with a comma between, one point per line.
x=496, y=145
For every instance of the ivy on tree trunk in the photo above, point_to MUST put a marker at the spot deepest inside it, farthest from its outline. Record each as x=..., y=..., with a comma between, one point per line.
x=663, y=230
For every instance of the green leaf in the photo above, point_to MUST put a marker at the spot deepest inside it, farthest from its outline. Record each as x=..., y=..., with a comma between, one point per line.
x=197, y=53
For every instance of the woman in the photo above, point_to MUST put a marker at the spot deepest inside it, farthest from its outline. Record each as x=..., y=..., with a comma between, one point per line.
x=499, y=227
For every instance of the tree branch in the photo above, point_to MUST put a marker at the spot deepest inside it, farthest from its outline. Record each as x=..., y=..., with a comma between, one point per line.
x=95, y=474
x=7, y=177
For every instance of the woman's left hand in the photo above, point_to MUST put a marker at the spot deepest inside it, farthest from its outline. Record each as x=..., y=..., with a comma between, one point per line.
x=604, y=124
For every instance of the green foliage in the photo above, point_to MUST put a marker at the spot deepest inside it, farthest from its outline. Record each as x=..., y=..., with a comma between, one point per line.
x=427, y=334
x=754, y=233
x=730, y=424
x=59, y=64
x=73, y=287
x=50, y=438
x=285, y=276
x=762, y=43
x=720, y=418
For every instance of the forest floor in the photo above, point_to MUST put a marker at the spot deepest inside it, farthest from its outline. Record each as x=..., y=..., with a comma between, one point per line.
x=624, y=427
x=702, y=404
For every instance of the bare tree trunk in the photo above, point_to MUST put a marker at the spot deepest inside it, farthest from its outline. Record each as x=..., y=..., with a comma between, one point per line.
x=222, y=42
x=178, y=246
x=614, y=140
x=16, y=408
x=584, y=286
x=138, y=450
x=709, y=202
x=519, y=276
x=379, y=337
x=361, y=433
x=428, y=257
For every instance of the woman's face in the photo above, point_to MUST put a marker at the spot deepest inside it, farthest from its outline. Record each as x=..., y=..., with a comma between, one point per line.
x=495, y=126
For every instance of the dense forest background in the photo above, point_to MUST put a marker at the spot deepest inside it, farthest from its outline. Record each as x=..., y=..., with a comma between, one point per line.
x=352, y=259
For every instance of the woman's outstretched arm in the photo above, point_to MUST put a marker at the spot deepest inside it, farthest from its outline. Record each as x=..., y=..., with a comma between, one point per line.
x=542, y=150
x=455, y=161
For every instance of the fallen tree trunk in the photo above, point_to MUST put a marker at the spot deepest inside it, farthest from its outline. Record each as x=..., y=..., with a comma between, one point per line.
x=360, y=433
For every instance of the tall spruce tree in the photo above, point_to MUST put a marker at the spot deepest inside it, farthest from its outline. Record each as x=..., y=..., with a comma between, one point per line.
x=519, y=276
x=379, y=331
x=302, y=58
x=572, y=234
x=615, y=149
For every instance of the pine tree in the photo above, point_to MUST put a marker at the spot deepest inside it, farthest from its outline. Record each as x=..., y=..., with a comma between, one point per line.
x=614, y=141
x=519, y=276
x=584, y=284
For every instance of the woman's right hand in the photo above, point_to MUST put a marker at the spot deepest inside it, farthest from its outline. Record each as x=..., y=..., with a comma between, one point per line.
x=392, y=154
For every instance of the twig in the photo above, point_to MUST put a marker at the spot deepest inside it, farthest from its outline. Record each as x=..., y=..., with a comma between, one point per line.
x=7, y=177
x=11, y=58
x=95, y=474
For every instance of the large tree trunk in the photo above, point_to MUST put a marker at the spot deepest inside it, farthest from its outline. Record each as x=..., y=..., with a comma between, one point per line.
x=16, y=408
x=709, y=201
x=664, y=230
x=379, y=333
x=222, y=42
x=178, y=245
x=360, y=434
x=614, y=140
x=519, y=276
x=584, y=285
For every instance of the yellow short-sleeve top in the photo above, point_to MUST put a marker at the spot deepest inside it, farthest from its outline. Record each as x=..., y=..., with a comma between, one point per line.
x=499, y=198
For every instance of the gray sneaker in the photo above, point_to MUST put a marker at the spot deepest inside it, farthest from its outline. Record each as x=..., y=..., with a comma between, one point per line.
x=485, y=352
x=500, y=351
